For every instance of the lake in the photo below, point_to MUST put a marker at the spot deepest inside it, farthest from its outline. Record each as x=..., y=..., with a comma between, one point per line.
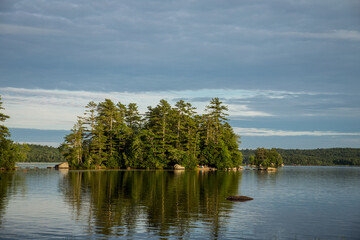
x=292, y=203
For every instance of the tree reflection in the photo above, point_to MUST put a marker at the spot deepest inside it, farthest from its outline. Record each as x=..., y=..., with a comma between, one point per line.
x=9, y=183
x=161, y=203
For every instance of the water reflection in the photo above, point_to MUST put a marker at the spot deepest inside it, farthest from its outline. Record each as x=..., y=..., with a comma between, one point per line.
x=160, y=203
x=10, y=183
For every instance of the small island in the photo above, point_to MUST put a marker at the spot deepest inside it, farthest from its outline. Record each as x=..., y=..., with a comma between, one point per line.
x=111, y=135
x=266, y=160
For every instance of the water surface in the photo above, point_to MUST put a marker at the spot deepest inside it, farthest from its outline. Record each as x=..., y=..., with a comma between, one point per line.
x=293, y=203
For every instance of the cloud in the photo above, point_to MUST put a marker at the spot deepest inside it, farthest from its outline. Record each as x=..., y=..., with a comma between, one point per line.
x=149, y=45
x=58, y=109
x=25, y=30
x=261, y=132
x=341, y=34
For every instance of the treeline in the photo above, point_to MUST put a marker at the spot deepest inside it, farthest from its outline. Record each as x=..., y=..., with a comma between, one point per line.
x=319, y=157
x=111, y=135
x=40, y=153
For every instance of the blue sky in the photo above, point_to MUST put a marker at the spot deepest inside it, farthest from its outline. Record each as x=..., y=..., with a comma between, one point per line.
x=288, y=70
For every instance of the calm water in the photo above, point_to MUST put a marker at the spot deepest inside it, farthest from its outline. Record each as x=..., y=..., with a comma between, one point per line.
x=294, y=203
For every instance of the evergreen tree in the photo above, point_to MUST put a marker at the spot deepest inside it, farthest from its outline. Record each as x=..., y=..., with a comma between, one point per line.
x=4, y=131
x=9, y=152
x=132, y=117
x=73, y=147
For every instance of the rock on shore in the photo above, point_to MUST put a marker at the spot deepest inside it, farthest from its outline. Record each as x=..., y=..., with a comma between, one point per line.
x=63, y=165
x=179, y=167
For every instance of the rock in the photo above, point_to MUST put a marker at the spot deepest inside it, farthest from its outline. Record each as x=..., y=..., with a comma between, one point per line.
x=63, y=165
x=271, y=169
x=178, y=167
x=239, y=198
x=240, y=168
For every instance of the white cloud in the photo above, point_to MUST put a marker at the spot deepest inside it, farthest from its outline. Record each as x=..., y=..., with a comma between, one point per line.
x=58, y=109
x=263, y=132
x=334, y=34
x=17, y=29
x=242, y=110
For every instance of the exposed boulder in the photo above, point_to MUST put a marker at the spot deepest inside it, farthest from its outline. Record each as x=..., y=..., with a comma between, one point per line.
x=179, y=167
x=239, y=198
x=269, y=169
x=63, y=165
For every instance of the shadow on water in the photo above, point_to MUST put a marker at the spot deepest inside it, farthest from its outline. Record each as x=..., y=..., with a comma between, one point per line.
x=156, y=203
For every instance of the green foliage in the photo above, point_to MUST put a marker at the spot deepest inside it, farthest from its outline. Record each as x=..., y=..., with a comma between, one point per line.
x=319, y=157
x=39, y=153
x=9, y=151
x=114, y=136
x=265, y=158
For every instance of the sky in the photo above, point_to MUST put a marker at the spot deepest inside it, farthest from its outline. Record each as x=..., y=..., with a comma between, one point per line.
x=288, y=70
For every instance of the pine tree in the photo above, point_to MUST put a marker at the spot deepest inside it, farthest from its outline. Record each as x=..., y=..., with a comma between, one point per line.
x=74, y=145
x=4, y=131
x=8, y=150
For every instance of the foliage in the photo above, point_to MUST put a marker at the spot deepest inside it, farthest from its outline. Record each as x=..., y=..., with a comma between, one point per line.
x=39, y=153
x=319, y=157
x=117, y=136
x=9, y=151
x=265, y=158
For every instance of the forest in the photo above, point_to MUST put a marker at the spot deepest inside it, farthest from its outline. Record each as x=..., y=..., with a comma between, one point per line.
x=40, y=153
x=317, y=157
x=111, y=135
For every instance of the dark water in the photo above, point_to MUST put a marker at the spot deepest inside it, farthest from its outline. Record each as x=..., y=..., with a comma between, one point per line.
x=293, y=203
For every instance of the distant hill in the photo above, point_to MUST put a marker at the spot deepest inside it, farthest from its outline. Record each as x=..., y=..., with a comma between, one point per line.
x=40, y=153
x=319, y=157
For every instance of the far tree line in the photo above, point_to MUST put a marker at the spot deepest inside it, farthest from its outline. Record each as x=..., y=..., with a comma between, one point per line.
x=315, y=157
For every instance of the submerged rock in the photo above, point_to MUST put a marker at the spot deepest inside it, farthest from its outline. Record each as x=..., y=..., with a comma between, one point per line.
x=239, y=198
x=63, y=165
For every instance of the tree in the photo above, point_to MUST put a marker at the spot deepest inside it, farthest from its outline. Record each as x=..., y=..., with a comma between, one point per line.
x=266, y=158
x=132, y=117
x=73, y=146
x=215, y=117
x=159, y=123
x=4, y=131
x=9, y=152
